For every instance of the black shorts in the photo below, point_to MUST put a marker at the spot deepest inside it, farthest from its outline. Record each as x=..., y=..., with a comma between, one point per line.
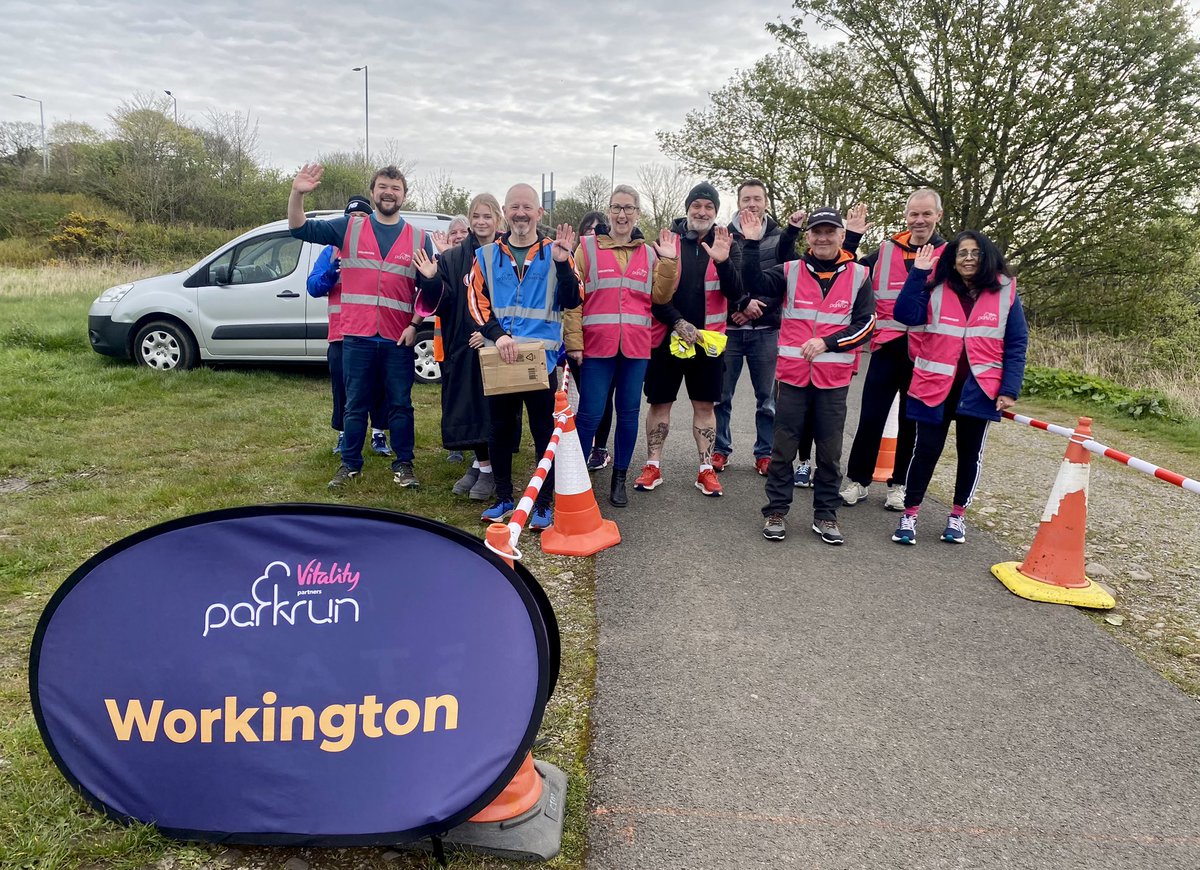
x=705, y=376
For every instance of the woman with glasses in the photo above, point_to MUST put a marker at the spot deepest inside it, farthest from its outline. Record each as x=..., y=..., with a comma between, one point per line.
x=968, y=342
x=620, y=275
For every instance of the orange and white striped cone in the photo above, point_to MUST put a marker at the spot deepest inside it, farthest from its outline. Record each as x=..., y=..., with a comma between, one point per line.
x=1053, y=571
x=578, y=528
x=885, y=464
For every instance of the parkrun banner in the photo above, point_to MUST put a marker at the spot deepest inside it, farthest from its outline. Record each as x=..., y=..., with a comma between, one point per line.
x=294, y=674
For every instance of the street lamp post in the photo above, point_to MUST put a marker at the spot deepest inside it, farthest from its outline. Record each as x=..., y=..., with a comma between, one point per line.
x=176, y=103
x=42, y=116
x=366, y=110
x=613, y=180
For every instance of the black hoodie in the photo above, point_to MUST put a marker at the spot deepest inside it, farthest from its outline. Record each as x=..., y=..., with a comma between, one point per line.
x=688, y=301
x=778, y=245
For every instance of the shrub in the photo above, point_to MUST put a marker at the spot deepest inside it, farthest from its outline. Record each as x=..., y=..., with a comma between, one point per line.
x=1060, y=384
x=40, y=215
x=22, y=253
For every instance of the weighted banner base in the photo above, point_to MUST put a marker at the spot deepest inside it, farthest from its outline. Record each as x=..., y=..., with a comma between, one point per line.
x=535, y=835
x=1090, y=595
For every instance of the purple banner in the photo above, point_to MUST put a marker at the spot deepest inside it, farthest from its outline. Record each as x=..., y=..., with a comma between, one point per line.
x=294, y=674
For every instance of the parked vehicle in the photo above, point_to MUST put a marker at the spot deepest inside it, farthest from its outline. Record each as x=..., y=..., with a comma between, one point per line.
x=246, y=302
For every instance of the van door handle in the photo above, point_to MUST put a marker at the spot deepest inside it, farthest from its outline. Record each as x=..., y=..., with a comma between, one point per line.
x=287, y=294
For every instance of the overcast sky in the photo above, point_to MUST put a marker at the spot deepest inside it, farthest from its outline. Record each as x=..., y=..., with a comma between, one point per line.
x=492, y=93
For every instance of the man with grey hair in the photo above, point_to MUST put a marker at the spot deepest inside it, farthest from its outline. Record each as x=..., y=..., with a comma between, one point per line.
x=890, y=370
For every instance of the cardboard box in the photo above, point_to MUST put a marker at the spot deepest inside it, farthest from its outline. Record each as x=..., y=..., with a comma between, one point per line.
x=527, y=373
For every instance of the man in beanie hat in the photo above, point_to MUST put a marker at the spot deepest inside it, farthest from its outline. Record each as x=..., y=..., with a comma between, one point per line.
x=325, y=280
x=827, y=313
x=709, y=279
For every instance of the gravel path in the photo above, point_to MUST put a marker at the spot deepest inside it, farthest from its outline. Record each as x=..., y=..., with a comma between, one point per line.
x=1143, y=534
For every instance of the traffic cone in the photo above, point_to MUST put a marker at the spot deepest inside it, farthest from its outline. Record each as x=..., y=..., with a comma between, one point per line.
x=578, y=528
x=1053, y=571
x=885, y=465
x=525, y=821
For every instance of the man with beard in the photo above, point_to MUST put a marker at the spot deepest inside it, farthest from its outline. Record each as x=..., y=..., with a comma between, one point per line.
x=827, y=313
x=891, y=369
x=378, y=291
x=709, y=279
x=518, y=288
x=465, y=419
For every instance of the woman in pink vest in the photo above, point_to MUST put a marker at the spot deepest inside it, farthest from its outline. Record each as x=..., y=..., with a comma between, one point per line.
x=620, y=275
x=968, y=348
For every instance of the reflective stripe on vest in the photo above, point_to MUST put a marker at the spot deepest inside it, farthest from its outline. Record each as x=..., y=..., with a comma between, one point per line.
x=616, y=305
x=378, y=291
x=541, y=321
x=937, y=348
x=808, y=313
x=887, y=279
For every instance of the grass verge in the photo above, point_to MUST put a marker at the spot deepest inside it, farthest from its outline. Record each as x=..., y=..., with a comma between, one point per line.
x=92, y=450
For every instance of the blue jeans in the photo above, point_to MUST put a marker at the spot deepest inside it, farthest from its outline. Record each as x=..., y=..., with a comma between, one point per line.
x=760, y=349
x=366, y=363
x=337, y=379
x=600, y=374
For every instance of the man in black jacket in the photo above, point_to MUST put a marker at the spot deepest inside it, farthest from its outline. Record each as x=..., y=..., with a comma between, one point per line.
x=753, y=331
x=710, y=277
x=891, y=369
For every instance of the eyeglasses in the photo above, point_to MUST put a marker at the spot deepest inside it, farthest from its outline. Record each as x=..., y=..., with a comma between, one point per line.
x=622, y=209
x=969, y=254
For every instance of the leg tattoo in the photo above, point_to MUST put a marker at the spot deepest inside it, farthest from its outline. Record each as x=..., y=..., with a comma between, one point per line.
x=657, y=437
x=706, y=438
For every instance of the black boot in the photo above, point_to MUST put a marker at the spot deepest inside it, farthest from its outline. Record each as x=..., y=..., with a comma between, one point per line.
x=618, y=497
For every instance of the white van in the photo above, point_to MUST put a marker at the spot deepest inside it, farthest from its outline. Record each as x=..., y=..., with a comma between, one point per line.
x=246, y=302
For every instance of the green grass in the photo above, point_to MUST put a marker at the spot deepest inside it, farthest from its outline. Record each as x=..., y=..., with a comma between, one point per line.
x=92, y=450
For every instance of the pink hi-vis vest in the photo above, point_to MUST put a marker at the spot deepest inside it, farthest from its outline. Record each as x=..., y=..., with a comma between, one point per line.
x=334, y=306
x=716, y=307
x=616, y=309
x=805, y=314
x=887, y=278
x=937, y=346
x=378, y=292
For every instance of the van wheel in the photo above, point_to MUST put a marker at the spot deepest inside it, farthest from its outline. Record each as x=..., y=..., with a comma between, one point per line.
x=428, y=370
x=165, y=346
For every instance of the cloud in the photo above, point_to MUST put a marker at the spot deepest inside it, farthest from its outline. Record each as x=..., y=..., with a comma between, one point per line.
x=471, y=88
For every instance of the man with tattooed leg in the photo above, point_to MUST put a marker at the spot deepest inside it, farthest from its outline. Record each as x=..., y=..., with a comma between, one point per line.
x=710, y=277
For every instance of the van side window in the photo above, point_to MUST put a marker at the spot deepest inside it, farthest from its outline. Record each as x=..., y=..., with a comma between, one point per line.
x=257, y=261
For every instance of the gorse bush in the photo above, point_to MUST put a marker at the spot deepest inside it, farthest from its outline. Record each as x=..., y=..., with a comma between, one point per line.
x=1059, y=384
x=91, y=237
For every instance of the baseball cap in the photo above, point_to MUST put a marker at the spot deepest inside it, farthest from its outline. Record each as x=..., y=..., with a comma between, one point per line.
x=825, y=216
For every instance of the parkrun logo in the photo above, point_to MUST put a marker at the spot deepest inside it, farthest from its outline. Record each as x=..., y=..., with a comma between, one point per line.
x=339, y=723
x=270, y=605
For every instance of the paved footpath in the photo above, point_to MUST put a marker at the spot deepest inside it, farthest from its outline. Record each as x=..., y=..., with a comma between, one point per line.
x=765, y=704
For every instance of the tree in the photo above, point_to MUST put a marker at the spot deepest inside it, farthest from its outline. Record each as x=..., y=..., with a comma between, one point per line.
x=569, y=210
x=593, y=191
x=347, y=174
x=757, y=127
x=1042, y=125
x=440, y=194
x=1061, y=131
x=662, y=190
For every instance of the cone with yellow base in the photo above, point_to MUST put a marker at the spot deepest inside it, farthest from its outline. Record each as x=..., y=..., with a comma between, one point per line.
x=885, y=464
x=1053, y=571
x=578, y=528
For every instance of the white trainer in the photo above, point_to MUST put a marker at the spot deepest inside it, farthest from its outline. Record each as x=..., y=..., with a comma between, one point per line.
x=895, y=498
x=852, y=493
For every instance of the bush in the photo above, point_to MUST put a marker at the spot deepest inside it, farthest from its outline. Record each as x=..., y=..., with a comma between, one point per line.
x=85, y=237
x=22, y=253
x=25, y=214
x=1060, y=384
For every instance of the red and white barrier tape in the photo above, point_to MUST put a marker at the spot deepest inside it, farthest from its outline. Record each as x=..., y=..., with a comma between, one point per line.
x=520, y=516
x=1103, y=450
